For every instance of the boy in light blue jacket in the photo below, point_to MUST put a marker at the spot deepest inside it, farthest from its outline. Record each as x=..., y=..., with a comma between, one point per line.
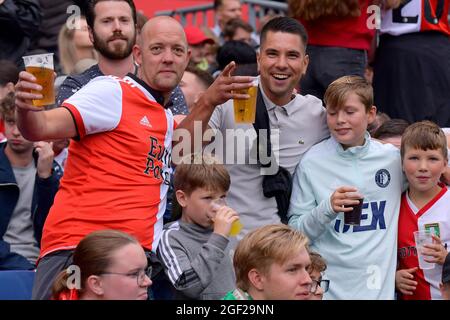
x=336, y=173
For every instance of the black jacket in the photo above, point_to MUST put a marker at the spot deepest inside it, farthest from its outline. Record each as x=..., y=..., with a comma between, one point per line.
x=43, y=194
x=19, y=22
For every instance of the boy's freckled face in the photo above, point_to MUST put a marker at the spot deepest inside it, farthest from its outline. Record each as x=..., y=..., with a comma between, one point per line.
x=198, y=208
x=423, y=168
x=348, y=123
x=289, y=280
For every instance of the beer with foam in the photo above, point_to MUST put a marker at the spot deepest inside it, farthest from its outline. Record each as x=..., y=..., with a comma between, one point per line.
x=41, y=66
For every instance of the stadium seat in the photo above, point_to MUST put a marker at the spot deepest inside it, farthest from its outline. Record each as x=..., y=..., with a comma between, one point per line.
x=16, y=284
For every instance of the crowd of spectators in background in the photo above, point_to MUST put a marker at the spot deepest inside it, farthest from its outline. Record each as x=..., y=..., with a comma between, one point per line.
x=127, y=85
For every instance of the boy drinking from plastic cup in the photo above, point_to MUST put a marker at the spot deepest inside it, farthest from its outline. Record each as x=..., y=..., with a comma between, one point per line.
x=41, y=66
x=194, y=249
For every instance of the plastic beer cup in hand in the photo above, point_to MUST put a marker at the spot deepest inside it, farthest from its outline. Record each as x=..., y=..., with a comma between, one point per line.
x=354, y=217
x=41, y=67
x=245, y=109
x=422, y=237
x=236, y=226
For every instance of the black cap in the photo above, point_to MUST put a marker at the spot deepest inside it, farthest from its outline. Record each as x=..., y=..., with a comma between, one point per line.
x=446, y=270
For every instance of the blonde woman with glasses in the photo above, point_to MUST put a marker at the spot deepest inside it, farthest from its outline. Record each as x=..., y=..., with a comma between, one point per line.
x=107, y=265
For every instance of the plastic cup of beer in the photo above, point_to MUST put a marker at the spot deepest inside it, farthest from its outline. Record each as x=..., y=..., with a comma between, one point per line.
x=245, y=109
x=422, y=237
x=236, y=226
x=41, y=66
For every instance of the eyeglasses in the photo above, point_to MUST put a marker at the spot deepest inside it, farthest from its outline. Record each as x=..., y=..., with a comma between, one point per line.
x=324, y=284
x=139, y=275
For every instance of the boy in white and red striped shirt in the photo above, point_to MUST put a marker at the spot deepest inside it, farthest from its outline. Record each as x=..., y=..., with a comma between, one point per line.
x=424, y=206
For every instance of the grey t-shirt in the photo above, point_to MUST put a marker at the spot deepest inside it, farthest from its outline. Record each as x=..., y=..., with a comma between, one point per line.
x=20, y=232
x=296, y=127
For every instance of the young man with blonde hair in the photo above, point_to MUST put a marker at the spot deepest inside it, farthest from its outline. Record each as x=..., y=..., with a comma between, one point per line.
x=336, y=174
x=271, y=264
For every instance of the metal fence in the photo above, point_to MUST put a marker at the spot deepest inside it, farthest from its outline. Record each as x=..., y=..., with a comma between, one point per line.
x=257, y=9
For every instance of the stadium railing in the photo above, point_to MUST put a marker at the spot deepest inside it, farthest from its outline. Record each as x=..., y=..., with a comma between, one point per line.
x=257, y=9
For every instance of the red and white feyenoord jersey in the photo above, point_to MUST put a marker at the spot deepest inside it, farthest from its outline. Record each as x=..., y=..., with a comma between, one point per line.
x=436, y=217
x=118, y=173
x=416, y=16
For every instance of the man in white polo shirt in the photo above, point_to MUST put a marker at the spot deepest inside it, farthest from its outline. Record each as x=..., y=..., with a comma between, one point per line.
x=296, y=122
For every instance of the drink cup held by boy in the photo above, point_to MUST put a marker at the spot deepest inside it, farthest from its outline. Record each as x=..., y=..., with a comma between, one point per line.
x=236, y=226
x=422, y=238
x=346, y=199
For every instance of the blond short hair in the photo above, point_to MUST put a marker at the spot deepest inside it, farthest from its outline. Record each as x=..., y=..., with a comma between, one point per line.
x=264, y=246
x=424, y=135
x=338, y=91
